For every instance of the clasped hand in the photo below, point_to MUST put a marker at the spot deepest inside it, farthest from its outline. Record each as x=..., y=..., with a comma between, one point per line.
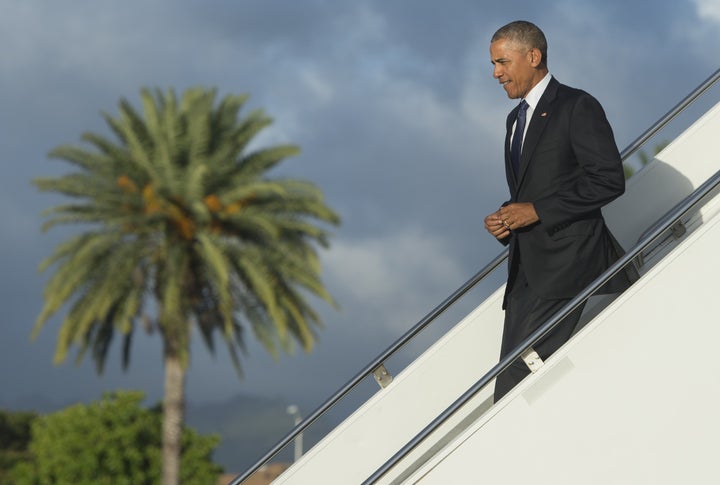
x=510, y=217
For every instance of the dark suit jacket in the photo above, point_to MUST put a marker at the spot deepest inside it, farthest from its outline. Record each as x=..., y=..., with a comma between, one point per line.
x=569, y=169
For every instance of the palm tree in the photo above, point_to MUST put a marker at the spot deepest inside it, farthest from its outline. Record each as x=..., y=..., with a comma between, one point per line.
x=183, y=228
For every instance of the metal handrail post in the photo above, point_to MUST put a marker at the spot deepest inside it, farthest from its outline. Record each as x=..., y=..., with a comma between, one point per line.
x=352, y=383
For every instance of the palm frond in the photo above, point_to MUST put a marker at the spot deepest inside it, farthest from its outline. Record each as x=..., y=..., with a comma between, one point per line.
x=261, y=161
x=216, y=265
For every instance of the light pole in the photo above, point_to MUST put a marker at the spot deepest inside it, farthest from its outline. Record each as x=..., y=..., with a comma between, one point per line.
x=294, y=411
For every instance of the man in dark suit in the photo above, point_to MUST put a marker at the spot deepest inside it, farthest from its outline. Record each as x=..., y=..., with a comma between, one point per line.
x=562, y=166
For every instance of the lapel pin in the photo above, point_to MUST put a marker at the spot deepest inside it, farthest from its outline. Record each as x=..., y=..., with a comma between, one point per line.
x=543, y=114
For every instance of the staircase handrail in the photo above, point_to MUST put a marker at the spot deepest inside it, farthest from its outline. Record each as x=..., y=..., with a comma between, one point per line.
x=668, y=221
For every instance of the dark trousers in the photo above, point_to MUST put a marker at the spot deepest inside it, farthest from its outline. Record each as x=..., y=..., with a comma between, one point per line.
x=525, y=312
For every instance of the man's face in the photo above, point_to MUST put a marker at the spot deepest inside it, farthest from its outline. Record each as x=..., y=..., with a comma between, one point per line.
x=515, y=67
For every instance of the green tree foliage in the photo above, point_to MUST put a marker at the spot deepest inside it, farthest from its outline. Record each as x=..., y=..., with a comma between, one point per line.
x=182, y=218
x=113, y=441
x=14, y=440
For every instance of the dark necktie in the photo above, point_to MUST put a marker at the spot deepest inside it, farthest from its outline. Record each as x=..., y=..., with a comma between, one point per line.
x=516, y=145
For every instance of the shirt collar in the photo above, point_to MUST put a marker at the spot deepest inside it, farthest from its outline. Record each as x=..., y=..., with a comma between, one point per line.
x=533, y=97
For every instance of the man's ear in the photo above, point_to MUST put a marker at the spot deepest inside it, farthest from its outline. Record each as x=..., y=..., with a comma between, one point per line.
x=535, y=57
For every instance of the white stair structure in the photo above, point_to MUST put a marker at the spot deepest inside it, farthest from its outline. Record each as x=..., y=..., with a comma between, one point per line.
x=632, y=398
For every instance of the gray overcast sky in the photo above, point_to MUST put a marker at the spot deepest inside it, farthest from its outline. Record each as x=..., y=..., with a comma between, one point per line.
x=399, y=119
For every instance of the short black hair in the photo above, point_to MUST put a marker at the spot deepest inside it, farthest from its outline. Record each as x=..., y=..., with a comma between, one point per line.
x=526, y=33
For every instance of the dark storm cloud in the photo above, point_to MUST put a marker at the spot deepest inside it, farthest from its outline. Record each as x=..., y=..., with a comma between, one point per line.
x=398, y=117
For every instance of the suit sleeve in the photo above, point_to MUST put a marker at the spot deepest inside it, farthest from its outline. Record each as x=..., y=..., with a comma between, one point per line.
x=599, y=177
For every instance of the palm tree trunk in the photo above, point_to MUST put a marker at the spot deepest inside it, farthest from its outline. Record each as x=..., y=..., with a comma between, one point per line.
x=173, y=415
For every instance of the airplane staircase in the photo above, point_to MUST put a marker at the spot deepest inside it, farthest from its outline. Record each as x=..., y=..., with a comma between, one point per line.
x=632, y=398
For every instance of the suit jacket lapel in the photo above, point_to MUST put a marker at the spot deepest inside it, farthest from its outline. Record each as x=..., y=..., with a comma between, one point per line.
x=541, y=116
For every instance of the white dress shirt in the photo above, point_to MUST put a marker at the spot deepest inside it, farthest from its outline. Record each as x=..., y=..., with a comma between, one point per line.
x=532, y=99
